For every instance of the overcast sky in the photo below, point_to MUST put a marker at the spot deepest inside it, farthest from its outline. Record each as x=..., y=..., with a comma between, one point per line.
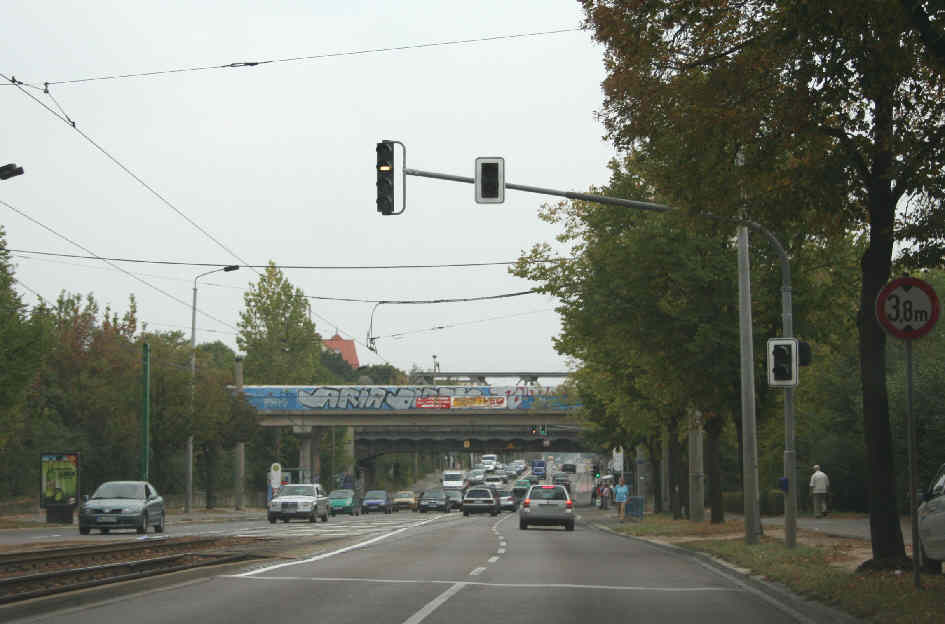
x=276, y=161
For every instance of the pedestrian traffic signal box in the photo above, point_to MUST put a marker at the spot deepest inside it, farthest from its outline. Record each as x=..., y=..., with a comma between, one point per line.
x=533, y=429
x=543, y=430
x=385, y=178
x=782, y=362
x=596, y=469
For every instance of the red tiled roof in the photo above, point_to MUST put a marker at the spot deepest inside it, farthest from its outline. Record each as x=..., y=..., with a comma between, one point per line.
x=345, y=348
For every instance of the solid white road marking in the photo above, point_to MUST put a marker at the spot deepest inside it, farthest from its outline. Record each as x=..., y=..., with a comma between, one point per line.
x=501, y=551
x=493, y=559
x=477, y=571
x=431, y=606
x=373, y=540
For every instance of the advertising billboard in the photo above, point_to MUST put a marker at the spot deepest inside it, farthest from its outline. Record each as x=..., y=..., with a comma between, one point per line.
x=60, y=479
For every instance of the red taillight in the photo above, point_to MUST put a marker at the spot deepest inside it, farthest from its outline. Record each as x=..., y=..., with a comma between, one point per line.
x=569, y=505
x=526, y=502
x=547, y=487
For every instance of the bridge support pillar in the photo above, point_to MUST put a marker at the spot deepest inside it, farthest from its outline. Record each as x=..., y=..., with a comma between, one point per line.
x=349, y=462
x=309, y=456
x=239, y=474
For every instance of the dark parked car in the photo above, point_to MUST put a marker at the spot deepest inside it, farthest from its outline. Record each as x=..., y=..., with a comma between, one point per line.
x=480, y=500
x=377, y=500
x=434, y=500
x=122, y=505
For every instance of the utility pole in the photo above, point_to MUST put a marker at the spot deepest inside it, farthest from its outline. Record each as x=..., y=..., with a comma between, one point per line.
x=749, y=442
x=145, y=409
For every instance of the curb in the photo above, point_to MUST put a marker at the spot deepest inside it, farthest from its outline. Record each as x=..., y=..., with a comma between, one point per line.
x=800, y=608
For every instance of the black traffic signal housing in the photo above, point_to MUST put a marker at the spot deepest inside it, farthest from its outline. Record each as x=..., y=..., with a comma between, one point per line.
x=9, y=171
x=543, y=430
x=385, y=178
x=533, y=430
x=782, y=362
x=489, y=180
x=596, y=469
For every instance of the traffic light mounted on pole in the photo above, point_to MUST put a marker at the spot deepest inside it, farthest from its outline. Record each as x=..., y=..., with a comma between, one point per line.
x=782, y=362
x=385, y=178
x=9, y=171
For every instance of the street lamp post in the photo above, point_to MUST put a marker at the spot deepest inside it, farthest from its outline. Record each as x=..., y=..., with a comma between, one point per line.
x=188, y=500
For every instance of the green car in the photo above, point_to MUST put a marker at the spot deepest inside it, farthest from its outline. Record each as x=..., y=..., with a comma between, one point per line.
x=344, y=501
x=520, y=489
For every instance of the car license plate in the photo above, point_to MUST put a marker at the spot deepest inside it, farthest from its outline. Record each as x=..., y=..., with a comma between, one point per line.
x=106, y=519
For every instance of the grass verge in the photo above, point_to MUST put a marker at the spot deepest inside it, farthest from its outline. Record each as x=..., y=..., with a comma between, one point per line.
x=883, y=597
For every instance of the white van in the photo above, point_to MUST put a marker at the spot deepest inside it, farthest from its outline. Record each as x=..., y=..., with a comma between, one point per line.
x=489, y=461
x=454, y=480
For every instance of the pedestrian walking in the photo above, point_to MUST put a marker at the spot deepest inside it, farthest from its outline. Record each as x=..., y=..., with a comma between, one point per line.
x=819, y=488
x=621, y=492
x=604, y=495
x=594, y=491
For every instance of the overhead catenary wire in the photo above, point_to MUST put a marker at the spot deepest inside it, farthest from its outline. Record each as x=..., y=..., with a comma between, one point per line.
x=311, y=57
x=128, y=273
x=71, y=123
x=319, y=267
x=164, y=200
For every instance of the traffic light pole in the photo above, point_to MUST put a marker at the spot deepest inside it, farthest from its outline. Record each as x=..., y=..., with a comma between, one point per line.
x=787, y=319
x=787, y=329
x=598, y=199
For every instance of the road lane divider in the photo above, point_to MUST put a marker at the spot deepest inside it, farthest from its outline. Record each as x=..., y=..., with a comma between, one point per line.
x=333, y=553
x=434, y=604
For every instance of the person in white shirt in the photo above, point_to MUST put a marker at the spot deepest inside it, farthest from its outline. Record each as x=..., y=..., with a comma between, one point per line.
x=819, y=486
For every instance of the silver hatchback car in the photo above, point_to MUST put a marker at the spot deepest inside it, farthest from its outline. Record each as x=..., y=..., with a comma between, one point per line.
x=547, y=504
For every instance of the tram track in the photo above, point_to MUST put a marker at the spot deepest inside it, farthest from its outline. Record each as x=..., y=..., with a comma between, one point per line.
x=39, y=573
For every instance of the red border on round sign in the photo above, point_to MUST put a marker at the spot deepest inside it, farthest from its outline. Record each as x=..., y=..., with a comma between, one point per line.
x=880, y=308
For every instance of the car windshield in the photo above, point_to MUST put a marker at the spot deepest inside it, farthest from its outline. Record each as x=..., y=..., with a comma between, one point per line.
x=120, y=490
x=434, y=494
x=404, y=495
x=452, y=476
x=341, y=494
x=297, y=490
x=502, y=493
x=376, y=494
x=478, y=494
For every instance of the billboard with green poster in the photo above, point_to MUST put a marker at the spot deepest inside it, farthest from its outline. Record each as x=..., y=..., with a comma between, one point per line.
x=60, y=479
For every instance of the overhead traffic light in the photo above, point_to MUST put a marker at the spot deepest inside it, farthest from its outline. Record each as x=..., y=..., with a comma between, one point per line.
x=10, y=170
x=596, y=469
x=490, y=180
x=543, y=430
x=782, y=362
x=385, y=177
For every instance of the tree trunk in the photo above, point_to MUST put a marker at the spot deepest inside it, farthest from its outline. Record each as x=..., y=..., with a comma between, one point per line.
x=885, y=530
x=656, y=482
x=683, y=469
x=713, y=467
x=672, y=431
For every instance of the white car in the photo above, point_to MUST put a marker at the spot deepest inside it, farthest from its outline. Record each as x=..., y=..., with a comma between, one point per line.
x=299, y=500
x=932, y=523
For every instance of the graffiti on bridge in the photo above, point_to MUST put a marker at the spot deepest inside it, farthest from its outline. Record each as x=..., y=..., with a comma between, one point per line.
x=307, y=398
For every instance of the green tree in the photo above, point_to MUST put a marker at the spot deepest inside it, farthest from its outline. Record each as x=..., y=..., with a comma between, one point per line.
x=24, y=342
x=277, y=334
x=834, y=109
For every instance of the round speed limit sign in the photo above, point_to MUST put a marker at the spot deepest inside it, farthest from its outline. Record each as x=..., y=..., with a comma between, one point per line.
x=907, y=308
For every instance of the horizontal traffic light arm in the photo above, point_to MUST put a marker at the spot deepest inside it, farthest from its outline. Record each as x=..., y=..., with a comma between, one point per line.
x=599, y=199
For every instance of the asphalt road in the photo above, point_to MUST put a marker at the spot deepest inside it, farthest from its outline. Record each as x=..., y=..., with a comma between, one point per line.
x=439, y=569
